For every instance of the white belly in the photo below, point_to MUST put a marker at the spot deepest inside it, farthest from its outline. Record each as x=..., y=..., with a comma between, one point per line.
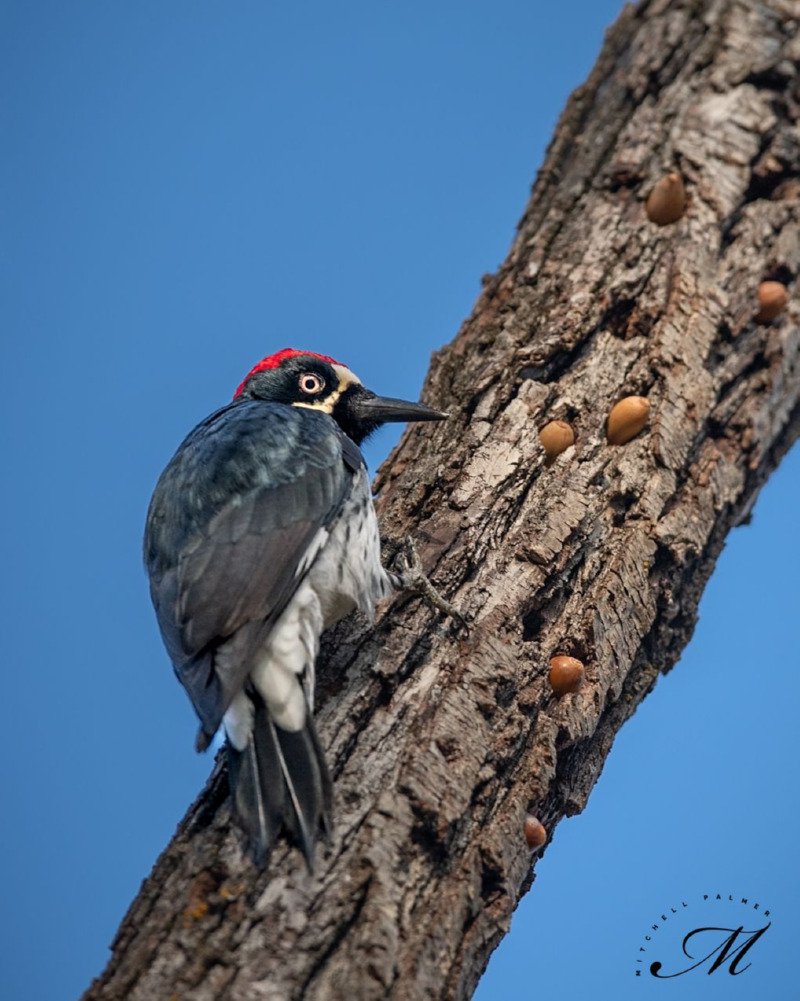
x=348, y=572
x=345, y=573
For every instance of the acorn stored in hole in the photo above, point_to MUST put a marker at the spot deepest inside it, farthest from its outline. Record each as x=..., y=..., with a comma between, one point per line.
x=535, y=834
x=666, y=203
x=772, y=300
x=556, y=437
x=566, y=674
x=626, y=419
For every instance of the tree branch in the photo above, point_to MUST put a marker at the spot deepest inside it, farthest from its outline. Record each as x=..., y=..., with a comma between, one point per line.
x=441, y=742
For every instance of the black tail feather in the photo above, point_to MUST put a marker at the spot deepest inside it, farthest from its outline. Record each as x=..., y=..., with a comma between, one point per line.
x=280, y=780
x=257, y=791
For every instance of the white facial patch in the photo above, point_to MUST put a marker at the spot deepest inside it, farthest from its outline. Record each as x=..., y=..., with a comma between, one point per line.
x=346, y=379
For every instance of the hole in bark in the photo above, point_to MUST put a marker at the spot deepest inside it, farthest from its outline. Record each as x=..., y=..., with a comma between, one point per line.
x=504, y=693
x=763, y=184
x=721, y=347
x=780, y=273
x=492, y=879
x=775, y=165
x=617, y=316
x=449, y=747
x=486, y=709
x=620, y=505
x=563, y=738
x=770, y=78
x=427, y=835
x=532, y=622
x=622, y=176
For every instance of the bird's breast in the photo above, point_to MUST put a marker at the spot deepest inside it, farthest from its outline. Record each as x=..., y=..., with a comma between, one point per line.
x=348, y=572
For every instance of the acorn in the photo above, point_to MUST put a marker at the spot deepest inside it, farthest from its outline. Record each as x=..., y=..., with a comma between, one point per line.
x=772, y=300
x=535, y=834
x=626, y=419
x=556, y=437
x=566, y=674
x=666, y=203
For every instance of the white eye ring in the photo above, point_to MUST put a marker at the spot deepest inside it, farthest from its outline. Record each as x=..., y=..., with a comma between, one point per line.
x=311, y=383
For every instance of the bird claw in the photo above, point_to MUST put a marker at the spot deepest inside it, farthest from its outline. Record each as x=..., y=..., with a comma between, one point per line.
x=411, y=577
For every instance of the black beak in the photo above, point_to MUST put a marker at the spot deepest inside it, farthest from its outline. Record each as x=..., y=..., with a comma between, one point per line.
x=373, y=409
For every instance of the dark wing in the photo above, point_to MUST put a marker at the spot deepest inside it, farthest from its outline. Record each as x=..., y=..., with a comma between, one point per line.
x=234, y=523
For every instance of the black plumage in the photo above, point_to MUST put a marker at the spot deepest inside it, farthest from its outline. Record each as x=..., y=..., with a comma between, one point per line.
x=229, y=523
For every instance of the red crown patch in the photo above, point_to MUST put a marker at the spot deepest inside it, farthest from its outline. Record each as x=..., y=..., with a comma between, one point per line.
x=276, y=360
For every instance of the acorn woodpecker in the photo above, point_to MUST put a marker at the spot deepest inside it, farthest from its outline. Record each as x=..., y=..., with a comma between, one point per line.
x=261, y=533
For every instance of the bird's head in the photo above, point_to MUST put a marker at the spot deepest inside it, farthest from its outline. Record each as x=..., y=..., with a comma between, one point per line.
x=317, y=382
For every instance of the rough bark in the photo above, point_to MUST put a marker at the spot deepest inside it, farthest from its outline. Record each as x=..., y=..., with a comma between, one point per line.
x=441, y=742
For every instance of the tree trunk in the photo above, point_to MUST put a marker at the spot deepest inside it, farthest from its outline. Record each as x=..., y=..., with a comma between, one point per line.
x=441, y=741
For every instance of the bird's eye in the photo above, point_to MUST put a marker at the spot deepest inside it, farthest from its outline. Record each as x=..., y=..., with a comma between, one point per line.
x=311, y=383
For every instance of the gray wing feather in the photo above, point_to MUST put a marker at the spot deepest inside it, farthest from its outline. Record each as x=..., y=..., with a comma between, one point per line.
x=235, y=576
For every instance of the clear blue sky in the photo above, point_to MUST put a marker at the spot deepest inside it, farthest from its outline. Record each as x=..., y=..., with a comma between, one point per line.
x=187, y=187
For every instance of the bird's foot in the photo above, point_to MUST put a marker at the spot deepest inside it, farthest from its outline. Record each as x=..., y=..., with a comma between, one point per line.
x=410, y=577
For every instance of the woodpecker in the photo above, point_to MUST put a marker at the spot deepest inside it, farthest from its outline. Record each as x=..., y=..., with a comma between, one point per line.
x=260, y=534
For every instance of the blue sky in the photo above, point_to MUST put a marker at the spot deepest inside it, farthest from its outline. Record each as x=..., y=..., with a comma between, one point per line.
x=190, y=186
